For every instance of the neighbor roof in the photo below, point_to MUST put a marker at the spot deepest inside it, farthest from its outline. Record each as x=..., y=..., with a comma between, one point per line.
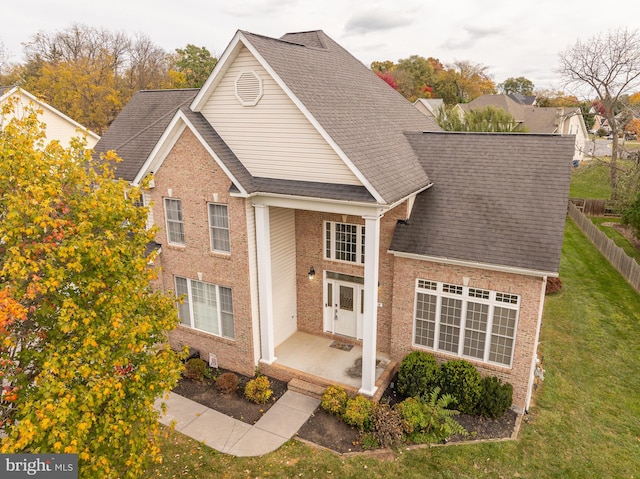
x=497, y=199
x=138, y=127
x=516, y=110
x=359, y=111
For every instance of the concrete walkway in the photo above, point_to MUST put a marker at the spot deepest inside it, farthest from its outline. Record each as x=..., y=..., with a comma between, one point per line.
x=235, y=437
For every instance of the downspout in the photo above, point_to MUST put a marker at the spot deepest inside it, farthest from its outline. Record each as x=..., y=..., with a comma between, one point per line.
x=536, y=344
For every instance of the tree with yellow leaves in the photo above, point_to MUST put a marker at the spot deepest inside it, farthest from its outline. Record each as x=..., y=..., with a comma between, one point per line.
x=82, y=332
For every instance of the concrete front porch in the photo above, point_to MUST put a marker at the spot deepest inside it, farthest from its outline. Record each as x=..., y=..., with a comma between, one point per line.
x=312, y=359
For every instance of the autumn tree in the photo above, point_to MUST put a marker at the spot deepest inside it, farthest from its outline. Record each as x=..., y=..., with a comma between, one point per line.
x=193, y=65
x=633, y=127
x=462, y=82
x=607, y=65
x=90, y=74
x=82, y=333
x=519, y=85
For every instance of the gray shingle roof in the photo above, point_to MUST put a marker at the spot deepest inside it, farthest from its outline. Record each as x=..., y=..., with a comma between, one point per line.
x=497, y=199
x=359, y=111
x=138, y=127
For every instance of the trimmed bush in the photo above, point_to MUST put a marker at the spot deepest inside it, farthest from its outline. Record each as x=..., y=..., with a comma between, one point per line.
x=387, y=425
x=334, y=400
x=227, y=383
x=195, y=368
x=258, y=390
x=463, y=381
x=359, y=413
x=496, y=398
x=418, y=374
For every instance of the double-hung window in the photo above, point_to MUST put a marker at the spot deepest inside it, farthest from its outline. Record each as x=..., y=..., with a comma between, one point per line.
x=467, y=322
x=207, y=307
x=219, y=228
x=175, y=223
x=344, y=242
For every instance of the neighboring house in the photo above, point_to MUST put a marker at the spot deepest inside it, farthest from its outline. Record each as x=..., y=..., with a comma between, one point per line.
x=599, y=121
x=298, y=196
x=58, y=125
x=429, y=106
x=563, y=120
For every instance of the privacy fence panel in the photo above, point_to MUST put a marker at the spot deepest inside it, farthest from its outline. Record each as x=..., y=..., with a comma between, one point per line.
x=626, y=265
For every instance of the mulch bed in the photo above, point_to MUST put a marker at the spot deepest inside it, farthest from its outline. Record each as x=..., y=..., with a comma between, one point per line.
x=323, y=428
x=234, y=405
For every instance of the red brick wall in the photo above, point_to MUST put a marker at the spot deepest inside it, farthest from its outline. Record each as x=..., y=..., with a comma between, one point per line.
x=309, y=247
x=528, y=287
x=193, y=176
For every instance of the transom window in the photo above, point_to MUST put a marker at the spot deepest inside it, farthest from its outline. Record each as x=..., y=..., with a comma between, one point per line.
x=219, y=228
x=344, y=242
x=175, y=224
x=207, y=307
x=466, y=322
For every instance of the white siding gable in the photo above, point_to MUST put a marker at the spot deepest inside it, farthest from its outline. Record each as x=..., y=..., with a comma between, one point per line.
x=273, y=139
x=58, y=126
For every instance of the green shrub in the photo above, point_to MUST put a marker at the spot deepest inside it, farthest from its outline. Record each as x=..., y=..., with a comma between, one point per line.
x=428, y=419
x=460, y=379
x=387, y=425
x=334, y=400
x=258, y=390
x=359, y=413
x=495, y=399
x=227, y=383
x=418, y=374
x=195, y=369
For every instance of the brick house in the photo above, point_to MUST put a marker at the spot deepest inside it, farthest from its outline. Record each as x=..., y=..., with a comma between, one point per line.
x=302, y=201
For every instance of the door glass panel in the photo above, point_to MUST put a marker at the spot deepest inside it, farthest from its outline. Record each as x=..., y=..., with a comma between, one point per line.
x=346, y=298
x=329, y=294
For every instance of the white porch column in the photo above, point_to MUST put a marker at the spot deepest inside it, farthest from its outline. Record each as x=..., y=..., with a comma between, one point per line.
x=265, y=290
x=370, y=323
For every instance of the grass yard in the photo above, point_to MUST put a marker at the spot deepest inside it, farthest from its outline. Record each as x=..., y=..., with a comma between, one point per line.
x=616, y=236
x=585, y=422
x=591, y=180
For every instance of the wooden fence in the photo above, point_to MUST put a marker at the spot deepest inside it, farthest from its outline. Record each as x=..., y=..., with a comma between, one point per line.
x=591, y=207
x=626, y=265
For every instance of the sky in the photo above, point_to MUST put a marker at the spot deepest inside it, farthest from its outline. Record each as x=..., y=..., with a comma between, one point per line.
x=511, y=38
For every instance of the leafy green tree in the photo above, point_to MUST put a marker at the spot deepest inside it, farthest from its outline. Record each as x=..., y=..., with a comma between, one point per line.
x=194, y=65
x=520, y=85
x=631, y=217
x=82, y=332
x=414, y=76
x=488, y=119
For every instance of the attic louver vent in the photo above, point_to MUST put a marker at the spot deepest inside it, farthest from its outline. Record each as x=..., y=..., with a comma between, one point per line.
x=248, y=88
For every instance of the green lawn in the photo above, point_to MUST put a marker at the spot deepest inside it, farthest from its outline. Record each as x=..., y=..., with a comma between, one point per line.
x=591, y=180
x=618, y=238
x=585, y=422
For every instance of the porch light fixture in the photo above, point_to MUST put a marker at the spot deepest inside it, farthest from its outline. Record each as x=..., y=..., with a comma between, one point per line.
x=312, y=273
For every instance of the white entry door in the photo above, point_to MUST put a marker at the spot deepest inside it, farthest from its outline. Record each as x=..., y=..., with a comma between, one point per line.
x=343, y=307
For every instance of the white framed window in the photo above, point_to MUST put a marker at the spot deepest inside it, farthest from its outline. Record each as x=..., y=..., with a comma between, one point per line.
x=175, y=223
x=207, y=307
x=344, y=242
x=219, y=228
x=468, y=322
